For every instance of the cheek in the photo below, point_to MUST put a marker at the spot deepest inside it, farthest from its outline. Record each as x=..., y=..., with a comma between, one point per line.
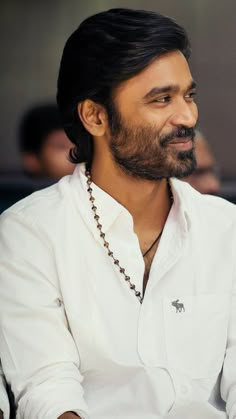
x=59, y=158
x=153, y=123
x=151, y=116
x=57, y=161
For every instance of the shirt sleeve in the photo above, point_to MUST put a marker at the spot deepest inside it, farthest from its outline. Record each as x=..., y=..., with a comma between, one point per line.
x=4, y=404
x=39, y=355
x=228, y=381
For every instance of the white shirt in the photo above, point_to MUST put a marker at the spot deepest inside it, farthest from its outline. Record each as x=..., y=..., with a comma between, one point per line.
x=4, y=403
x=73, y=336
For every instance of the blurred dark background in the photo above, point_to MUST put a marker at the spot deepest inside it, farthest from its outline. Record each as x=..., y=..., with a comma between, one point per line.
x=33, y=34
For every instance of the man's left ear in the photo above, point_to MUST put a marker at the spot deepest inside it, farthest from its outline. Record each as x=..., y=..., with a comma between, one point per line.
x=93, y=117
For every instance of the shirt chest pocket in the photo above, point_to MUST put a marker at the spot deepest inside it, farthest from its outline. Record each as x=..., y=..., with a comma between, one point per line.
x=196, y=333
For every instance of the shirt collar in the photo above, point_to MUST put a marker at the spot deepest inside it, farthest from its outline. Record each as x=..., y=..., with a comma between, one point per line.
x=182, y=202
x=109, y=209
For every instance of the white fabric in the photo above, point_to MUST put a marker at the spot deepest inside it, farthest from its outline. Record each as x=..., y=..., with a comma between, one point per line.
x=73, y=335
x=4, y=404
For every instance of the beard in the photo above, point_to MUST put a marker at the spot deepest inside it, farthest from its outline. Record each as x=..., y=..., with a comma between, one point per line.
x=141, y=152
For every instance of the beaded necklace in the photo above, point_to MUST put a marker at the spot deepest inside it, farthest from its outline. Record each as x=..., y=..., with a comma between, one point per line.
x=106, y=244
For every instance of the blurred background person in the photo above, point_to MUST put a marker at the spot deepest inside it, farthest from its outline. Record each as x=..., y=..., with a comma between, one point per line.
x=205, y=178
x=44, y=145
x=44, y=153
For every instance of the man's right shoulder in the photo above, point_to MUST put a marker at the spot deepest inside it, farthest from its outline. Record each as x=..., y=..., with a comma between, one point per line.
x=44, y=205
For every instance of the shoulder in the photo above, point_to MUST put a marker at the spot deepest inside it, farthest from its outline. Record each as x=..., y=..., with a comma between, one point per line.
x=209, y=208
x=44, y=206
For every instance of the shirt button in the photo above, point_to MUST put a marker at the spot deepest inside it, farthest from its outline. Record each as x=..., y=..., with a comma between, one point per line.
x=59, y=302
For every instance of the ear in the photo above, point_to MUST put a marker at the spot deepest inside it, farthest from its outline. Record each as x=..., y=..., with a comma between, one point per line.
x=31, y=163
x=93, y=117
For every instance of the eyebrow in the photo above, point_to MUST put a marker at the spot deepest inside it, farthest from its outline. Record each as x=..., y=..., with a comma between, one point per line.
x=167, y=89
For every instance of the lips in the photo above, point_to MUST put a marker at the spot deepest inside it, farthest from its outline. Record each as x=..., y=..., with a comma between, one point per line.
x=181, y=140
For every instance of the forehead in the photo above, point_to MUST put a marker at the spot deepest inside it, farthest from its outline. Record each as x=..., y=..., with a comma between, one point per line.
x=171, y=69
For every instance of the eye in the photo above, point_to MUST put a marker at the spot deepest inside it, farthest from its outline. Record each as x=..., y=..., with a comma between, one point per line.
x=163, y=99
x=191, y=96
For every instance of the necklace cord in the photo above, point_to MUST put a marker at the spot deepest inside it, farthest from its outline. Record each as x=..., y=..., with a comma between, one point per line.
x=159, y=235
x=153, y=244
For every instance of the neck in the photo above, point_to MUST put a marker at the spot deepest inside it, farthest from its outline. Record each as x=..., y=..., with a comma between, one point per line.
x=147, y=201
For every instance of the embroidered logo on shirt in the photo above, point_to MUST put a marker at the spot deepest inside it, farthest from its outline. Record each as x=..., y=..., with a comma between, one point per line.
x=179, y=306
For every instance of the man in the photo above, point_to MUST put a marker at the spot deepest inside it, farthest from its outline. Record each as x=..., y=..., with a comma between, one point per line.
x=43, y=143
x=205, y=178
x=117, y=284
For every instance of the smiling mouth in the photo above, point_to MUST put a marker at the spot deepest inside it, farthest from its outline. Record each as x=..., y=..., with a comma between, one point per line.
x=180, y=140
x=185, y=143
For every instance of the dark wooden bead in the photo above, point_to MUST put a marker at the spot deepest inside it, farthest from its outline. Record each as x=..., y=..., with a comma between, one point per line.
x=89, y=190
x=132, y=286
x=96, y=217
x=106, y=244
x=99, y=226
x=94, y=208
x=110, y=253
x=137, y=293
x=116, y=261
x=127, y=278
x=102, y=235
x=122, y=270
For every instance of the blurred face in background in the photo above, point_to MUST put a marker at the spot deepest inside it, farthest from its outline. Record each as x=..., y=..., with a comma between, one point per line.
x=54, y=156
x=205, y=178
x=53, y=159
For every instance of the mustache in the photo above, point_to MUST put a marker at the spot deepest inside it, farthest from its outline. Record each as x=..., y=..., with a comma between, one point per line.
x=181, y=132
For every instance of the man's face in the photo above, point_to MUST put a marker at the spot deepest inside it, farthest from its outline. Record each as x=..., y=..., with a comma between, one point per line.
x=153, y=119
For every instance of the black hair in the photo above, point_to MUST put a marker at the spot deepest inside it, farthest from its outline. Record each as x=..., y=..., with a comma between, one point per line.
x=107, y=49
x=36, y=124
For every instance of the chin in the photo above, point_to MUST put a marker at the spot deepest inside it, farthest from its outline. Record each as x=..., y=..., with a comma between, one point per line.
x=183, y=166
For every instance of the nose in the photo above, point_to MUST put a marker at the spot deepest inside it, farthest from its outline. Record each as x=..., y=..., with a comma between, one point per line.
x=185, y=114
